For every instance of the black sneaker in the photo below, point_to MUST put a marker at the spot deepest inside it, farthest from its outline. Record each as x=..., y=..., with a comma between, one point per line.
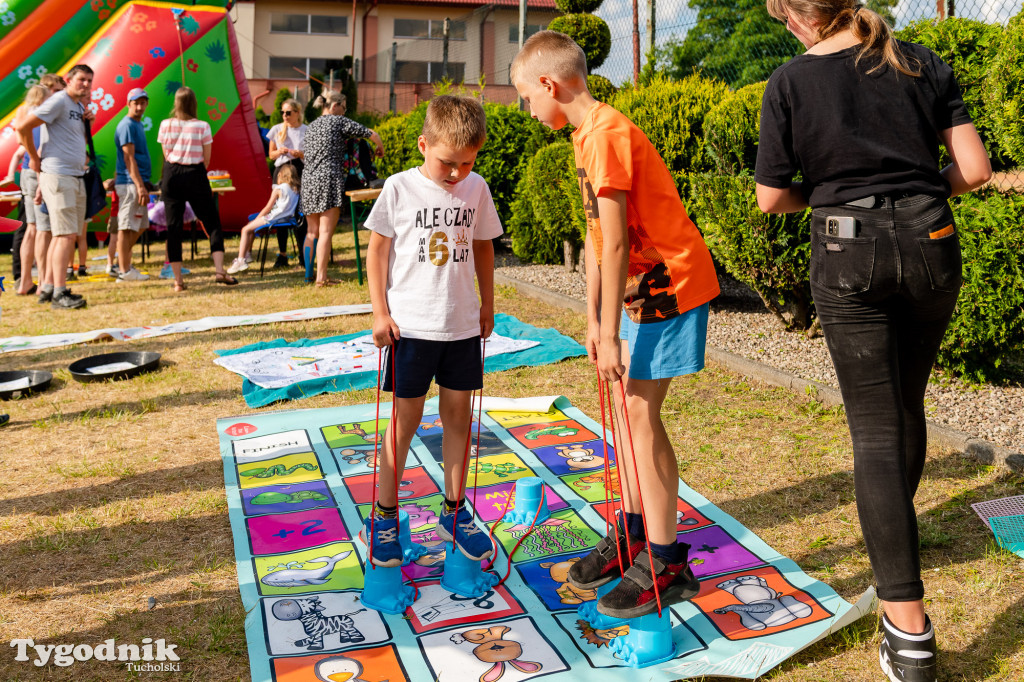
x=634, y=596
x=281, y=262
x=83, y=271
x=907, y=658
x=71, y=276
x=45, y=296
x=602, y=564
x=67, y=301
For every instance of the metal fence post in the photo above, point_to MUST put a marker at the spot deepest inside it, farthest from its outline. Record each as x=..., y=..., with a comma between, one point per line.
x=392, y=102
x=444, y=50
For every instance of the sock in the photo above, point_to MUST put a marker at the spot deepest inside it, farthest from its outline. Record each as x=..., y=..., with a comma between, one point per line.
x=635, y=526
x=46, y=289
x=451, y=505
x=57, y=291
x=386, y=512
x=671, y=554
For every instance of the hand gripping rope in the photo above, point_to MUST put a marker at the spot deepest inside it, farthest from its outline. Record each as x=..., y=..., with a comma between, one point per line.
x=616, y=438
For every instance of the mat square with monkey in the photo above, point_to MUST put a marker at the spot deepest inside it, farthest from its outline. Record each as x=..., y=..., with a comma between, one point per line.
x=300, y=482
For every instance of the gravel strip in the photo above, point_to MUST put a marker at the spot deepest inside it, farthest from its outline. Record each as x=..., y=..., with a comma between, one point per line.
x=739, y=323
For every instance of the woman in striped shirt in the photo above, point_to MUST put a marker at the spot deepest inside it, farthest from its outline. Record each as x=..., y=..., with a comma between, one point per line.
x=186, y=143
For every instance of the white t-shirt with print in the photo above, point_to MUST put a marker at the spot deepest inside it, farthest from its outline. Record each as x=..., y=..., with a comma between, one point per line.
x=431, y=270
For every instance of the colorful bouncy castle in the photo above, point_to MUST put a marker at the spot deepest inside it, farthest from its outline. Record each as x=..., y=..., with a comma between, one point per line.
x=158, y=46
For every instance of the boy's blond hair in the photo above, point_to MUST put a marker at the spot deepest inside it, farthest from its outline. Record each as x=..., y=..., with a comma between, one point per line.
x=552, y=53
x=457, y=122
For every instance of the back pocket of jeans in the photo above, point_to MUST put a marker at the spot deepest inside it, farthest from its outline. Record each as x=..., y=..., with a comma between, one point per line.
x=845, y=265
x=943, y=261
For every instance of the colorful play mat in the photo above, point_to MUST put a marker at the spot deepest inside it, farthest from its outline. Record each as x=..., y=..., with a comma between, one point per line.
x=300, y=482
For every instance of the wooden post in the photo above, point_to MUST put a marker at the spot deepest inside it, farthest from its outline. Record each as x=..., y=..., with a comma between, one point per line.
x=392, y=102
x=444, y=50
x=522, y=39
x=649, y=43
x=636, y=43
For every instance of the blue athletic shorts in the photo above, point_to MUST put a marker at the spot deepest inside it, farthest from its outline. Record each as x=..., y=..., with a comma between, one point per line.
x=455, y=365
x=671, y=348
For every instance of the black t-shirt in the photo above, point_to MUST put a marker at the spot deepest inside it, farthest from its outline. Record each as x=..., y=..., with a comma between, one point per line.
x=854, y=134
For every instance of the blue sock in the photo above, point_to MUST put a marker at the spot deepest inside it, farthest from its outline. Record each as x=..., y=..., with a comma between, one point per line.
x=635, y=526
x=310, y=253
x=671, y=554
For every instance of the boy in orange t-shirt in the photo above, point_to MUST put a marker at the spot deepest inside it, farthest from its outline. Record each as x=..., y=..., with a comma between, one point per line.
x=647, y=306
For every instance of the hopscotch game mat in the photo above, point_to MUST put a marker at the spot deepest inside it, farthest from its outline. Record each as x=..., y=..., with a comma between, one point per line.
x=299, y=484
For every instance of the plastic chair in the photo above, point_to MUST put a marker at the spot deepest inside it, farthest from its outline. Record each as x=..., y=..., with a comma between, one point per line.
x=264, y=234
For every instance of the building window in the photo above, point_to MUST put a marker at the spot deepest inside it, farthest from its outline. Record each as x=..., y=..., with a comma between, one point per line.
x=429, y=29
x=321, y=24
x=513, y=31
x=285, y=67
x=428, y=72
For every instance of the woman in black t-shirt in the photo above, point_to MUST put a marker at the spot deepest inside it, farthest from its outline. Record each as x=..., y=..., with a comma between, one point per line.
x=860, y=116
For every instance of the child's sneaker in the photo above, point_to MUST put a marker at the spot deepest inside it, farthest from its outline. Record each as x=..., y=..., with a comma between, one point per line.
x=634, y=595
x=383, y=546
x=470, y=540
x=248, y=257
x=907, y=658
x=602, y=564
x=237, y=265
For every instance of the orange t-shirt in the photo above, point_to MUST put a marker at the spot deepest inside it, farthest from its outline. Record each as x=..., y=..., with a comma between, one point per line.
x=670, y=269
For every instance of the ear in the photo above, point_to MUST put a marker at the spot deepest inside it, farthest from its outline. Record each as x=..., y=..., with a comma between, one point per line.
x=525, y=666
x=549, y=85
x=421, y=142
x=547, y=564
x=475, y=635
x=498, y=631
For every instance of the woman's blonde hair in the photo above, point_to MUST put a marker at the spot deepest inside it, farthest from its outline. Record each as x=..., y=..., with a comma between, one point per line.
x=833, y=16
x=36, y=95
x=328, y=97
x=290, y=174
x=185, y=105
x=283, y=132
x=48, y=80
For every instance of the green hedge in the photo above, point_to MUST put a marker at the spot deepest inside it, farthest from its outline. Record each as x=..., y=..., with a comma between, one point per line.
x=392, y=134
x=1004, y=90
x=601, y=88
x=988, y=325
x=731, y=130
x=513, y=137
x=548, y=208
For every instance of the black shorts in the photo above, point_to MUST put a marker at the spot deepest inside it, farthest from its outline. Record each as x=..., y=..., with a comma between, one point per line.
x=455, y=365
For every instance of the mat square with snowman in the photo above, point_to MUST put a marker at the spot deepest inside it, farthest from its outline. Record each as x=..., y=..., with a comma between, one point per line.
x=300, y=482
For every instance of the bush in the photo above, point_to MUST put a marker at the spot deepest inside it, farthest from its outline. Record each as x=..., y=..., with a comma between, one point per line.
x=671, y=114
x=731, y=130
x=548, y=208
x=590, y=32
x=577, y=6
x=392, y=134
x=968, y=47
x=275, y=115
x=988, y=325
x=1004, y=90
x=512, y=140
x=601, y=88
x=769, y=253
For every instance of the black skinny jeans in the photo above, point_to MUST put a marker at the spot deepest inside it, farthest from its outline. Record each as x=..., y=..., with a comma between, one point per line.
x=885, y=299
x=189, y=183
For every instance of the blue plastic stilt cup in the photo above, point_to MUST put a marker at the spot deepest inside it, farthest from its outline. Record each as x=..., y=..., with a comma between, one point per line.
x=529, y=494
x=411, y=551
x=384, y=591
x=588, y=609
x=310, y=255
x=463, y=576
x=649, y=640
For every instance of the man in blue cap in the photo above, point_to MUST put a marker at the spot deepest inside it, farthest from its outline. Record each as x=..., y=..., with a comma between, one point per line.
x=133, y=172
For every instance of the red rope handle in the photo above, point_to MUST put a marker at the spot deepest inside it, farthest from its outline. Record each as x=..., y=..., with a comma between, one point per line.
x=515, y=548
x=479, y=418
x=640, y=493
x=608, y=509
x=376, y=442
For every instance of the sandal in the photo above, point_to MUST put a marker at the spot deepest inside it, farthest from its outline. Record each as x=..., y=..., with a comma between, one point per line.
x=179, y=287
x=31, y=291
x=326, y=283
x=225, y=278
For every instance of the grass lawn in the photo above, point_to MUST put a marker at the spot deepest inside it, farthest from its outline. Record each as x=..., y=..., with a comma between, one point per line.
x=113, y=494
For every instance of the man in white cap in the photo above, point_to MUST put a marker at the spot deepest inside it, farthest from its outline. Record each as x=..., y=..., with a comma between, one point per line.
x=133, y=172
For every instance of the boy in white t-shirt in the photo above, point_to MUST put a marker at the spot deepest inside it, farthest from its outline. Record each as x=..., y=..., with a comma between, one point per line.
x=432, y=230
x=284, y=199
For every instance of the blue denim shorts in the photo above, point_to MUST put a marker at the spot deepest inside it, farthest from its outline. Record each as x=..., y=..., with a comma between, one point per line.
x=672, y=348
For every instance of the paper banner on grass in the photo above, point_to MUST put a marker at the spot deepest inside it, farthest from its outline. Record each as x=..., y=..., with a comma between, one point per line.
x=15, y=343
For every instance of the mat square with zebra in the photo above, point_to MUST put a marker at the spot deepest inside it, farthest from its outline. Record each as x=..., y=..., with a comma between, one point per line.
x=300, y=482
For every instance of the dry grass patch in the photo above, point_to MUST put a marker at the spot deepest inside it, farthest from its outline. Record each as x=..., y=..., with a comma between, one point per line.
x=114, y=493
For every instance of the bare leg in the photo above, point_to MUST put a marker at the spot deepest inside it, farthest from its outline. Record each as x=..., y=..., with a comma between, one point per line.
x=113, y=244
x=61, y=249
x=247, y=238
x=83, y=246
x=42, y=247
x=125, y=243
x=655, y=459
x=28, y=250
x=456, y=419
x=328, y=221
x=906, y=615
x=218, y=262
x=408, y=412
x=176, y=269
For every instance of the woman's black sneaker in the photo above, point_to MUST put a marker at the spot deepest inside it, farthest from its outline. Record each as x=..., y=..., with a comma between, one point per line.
x=907, y=658
x=635, y=596
x=602, y=564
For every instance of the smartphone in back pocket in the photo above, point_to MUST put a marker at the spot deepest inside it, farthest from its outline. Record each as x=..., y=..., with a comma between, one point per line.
x=840, y=226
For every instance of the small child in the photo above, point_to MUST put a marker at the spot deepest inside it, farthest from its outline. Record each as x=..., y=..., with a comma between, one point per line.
x=652, y=262
x=283, y=202
x=431, y=232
